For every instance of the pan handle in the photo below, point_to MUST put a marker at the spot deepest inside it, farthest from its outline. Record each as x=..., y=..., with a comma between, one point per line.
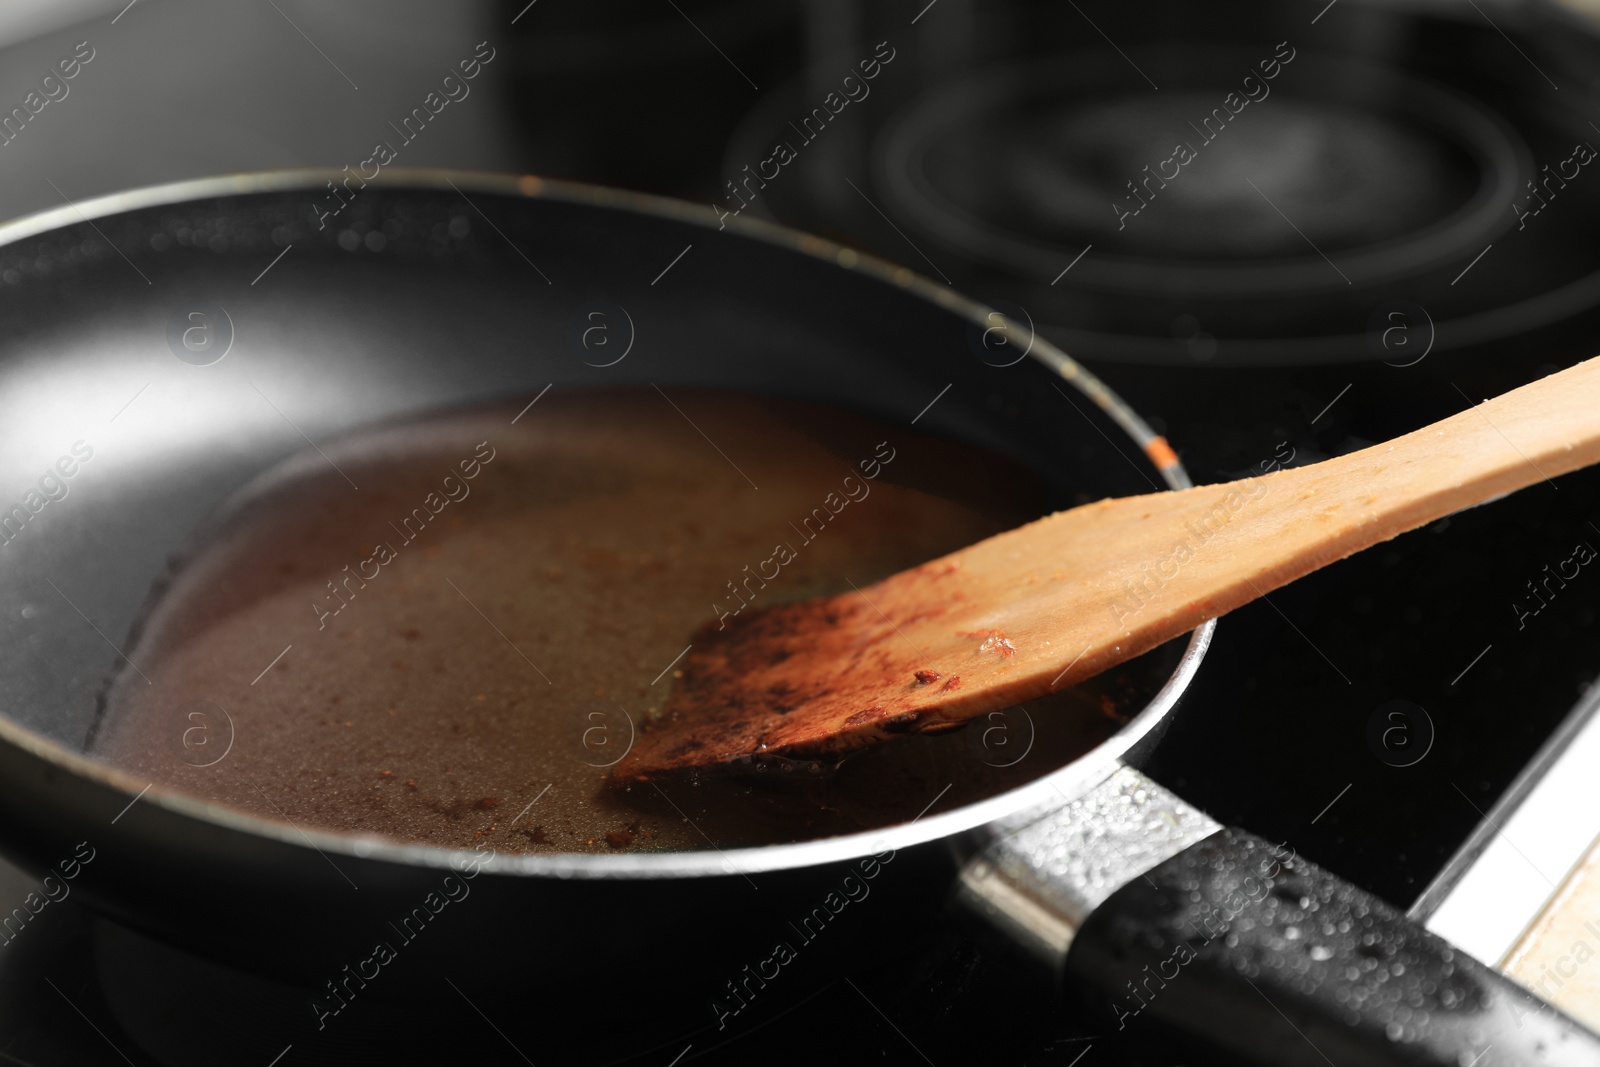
x=1172, y=923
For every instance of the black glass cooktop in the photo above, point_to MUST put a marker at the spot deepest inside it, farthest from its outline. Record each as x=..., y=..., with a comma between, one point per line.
x=1366, y=715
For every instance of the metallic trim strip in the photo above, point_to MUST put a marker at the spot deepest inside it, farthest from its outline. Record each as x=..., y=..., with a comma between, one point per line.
x=1507, y=871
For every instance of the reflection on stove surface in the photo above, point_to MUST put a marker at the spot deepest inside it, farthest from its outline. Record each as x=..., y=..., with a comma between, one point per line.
x=91, y=993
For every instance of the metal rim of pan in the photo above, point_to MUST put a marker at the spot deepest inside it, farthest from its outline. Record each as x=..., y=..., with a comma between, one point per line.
x=1065, y=782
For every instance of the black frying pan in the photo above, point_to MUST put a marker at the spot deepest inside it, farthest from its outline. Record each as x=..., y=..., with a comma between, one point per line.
x=436, y=290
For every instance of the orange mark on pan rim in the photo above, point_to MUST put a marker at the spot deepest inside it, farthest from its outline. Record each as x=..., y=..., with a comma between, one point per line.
x=1161, y=453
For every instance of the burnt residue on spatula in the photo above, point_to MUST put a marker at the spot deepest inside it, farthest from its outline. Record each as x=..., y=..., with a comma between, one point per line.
x=722, y=717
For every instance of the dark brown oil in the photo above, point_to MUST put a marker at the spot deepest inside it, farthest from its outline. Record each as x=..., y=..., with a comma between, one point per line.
x=467, y=619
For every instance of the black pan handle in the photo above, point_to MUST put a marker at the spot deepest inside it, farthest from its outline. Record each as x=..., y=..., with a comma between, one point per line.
x=1174, y=924
x=1273, y=959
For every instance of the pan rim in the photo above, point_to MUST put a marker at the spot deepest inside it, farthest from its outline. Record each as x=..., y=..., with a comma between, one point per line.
x=1063, y=783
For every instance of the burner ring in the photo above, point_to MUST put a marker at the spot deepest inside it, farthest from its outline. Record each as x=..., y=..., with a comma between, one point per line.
x=1499, y=159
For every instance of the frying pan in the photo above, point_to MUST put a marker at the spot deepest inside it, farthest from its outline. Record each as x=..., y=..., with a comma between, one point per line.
x=433, y=289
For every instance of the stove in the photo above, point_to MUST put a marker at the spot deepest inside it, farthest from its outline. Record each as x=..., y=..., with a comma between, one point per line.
x=1255, y=185
x=1282, y=231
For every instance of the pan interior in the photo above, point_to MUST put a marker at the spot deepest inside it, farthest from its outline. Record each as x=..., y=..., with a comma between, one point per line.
x=459, y=658
x=153, y=367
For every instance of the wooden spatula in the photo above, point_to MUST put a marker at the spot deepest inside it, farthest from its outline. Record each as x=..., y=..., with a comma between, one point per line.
x=1047, y=605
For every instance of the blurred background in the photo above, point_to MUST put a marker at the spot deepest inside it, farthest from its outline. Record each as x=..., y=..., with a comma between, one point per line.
x=997, y=145
x=1385, y=206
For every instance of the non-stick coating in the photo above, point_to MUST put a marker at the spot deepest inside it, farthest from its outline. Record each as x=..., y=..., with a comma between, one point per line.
x=440, y=291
